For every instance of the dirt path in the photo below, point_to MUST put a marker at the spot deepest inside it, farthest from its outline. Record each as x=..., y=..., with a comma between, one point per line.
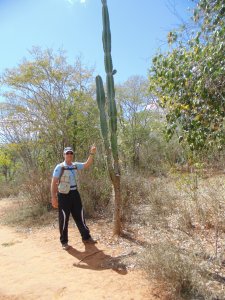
x=33, y=266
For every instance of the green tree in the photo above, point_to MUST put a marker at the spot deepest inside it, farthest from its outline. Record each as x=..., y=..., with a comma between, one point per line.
x=8, y=161
x=135, y=116
x=189, y=79
x=48, y=104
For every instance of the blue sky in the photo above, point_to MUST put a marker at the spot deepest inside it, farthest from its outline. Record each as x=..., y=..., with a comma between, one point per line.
x=138, y=27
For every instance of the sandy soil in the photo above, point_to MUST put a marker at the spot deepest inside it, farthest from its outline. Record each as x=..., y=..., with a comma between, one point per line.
x=33, y=266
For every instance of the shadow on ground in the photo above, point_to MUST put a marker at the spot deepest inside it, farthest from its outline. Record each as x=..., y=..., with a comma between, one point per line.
x=95, y=259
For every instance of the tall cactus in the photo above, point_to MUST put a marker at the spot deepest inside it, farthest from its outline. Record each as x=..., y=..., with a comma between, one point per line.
x=108, y=120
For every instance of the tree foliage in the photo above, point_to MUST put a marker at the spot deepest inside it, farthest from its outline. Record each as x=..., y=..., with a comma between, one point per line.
x=8, y=161
x=48, y=104
x=189, y=79
x=135, y=116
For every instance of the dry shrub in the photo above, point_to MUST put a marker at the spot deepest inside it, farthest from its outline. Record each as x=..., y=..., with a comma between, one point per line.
x=210, y=204
x=27, y=215
x=97, y=192
x=134, y=191
x=8, y=189
x=182, y=265
x=182, y=203
x=95, y=189
x=182, y=273
x=175, y=202
x=33, y=203
x=36, y=188
x=203, y=199
x=186, y=229
x=161, y=202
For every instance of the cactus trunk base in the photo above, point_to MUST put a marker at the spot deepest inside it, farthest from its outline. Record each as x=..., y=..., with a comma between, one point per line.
x=117, y=226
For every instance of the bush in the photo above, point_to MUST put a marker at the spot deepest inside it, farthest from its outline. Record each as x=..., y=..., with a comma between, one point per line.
x=182, y=273
x=203, y=198
x=36, y=188
x=34, y=199
x=95, y=189
x=8, y=189
x=185, y=226
x=134, y=191
x=22, y=212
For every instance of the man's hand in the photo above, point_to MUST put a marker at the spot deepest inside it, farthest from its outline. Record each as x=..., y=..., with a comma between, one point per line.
x=91, y=157
x=54, y=188
x=55, y=202
x=93, y=149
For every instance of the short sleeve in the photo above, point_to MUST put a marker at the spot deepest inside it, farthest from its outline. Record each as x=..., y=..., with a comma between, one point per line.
x=57, y=171
x=79, y=165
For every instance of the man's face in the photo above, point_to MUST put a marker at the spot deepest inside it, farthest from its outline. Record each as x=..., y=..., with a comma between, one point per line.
x=68, y=156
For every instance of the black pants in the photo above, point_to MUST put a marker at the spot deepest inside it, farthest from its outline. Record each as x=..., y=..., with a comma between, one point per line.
x=71, y=203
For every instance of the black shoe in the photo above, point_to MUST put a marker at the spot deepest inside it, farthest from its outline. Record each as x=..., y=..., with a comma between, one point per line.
x=65, y=246
x=89, y=241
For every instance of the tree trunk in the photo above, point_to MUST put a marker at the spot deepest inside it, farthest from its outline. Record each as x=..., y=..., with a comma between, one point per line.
x=117, y=225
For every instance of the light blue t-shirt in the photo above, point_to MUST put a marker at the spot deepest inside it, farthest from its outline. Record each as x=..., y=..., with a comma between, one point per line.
x=58, y=168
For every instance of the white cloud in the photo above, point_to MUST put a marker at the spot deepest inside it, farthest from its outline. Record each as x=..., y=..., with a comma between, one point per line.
x=71, y=2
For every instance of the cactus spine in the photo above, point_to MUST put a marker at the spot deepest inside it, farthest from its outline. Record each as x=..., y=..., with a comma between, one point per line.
x=109, y=121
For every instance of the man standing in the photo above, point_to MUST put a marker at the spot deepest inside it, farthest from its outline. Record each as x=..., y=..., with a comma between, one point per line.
x=64, y=186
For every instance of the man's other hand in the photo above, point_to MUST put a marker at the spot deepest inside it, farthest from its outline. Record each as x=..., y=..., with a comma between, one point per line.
x=55, y=202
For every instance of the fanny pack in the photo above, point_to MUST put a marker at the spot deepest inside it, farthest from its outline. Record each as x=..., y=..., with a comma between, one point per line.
x=64, y=179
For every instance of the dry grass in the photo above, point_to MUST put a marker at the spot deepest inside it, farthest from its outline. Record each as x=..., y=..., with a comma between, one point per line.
x=165, y=262
x=134, y=191
x=32, y=207
x=95, y=190
x=8, y=189
x=36, y=188
x=185, y=227
x=22, y=213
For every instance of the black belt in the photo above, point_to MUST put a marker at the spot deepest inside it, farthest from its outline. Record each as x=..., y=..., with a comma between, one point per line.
x=73, y=187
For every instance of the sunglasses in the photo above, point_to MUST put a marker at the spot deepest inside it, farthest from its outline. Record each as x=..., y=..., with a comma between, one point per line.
x=69, y=153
